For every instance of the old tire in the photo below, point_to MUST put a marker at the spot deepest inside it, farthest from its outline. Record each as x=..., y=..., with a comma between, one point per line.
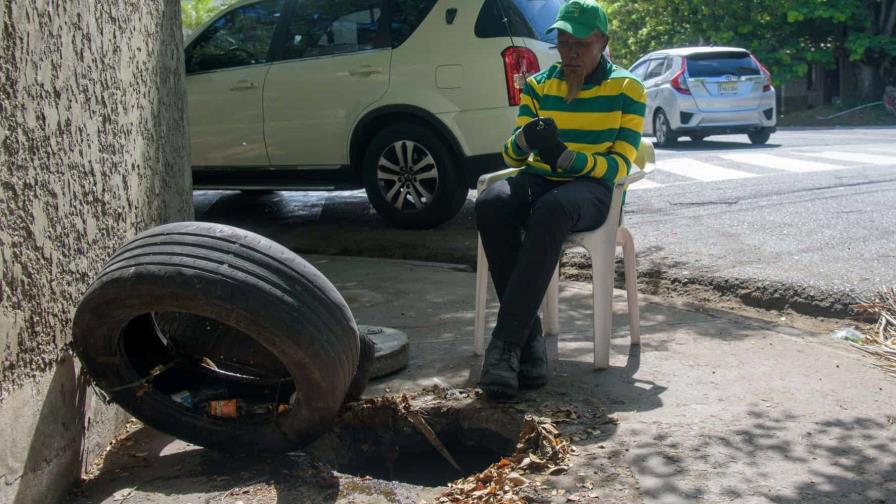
x=416, y=191
x=366, y=362
x=237, y=278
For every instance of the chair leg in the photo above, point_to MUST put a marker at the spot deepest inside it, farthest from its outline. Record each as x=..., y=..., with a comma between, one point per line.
x=550, y=315
x=481, y=301
x=631, y=285
x=602, y=287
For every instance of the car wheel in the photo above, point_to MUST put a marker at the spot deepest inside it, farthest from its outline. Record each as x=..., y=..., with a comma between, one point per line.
x=411, y=178
x=148, y=332
x=662, y=130
x=697, y=138
x=759, y=137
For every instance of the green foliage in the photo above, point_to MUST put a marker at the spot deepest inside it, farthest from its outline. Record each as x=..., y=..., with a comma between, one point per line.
x=785, y=35
x=195, y=12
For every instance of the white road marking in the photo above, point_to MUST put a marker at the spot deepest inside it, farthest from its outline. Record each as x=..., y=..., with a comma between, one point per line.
x=855, y=157
x=781, y=163
x=692, y=168
x=644, y=184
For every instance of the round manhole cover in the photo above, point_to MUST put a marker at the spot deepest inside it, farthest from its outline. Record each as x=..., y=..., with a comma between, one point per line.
x=391, y=349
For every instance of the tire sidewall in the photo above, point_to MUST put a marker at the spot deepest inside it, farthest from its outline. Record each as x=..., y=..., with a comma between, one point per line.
x=450, y=192
x=668, y=139
x=759, y=137
x=307, y=332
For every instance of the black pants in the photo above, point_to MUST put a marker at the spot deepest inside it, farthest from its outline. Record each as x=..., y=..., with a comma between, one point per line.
x=523, y=222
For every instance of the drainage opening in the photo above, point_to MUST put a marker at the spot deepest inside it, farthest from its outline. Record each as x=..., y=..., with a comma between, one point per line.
x=419, y=463
x=389, y=445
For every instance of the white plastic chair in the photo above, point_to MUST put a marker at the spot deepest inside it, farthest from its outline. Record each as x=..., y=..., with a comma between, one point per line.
x=601, y=244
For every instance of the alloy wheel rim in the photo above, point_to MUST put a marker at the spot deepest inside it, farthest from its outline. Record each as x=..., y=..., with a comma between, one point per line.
x=661, y=128
x=407, y=176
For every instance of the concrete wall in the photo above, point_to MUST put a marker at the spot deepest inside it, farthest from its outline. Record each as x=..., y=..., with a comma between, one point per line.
x=93, y=149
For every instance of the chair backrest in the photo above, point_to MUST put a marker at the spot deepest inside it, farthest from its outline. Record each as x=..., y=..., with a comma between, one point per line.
x=646, y=154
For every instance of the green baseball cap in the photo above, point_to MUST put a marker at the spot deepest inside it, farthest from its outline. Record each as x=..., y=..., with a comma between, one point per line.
x=581, y=18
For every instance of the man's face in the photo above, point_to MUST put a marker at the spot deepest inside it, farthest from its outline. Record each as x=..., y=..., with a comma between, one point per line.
x=580, y=56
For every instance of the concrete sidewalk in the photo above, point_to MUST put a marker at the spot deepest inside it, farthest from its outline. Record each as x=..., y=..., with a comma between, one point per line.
x=713, y=407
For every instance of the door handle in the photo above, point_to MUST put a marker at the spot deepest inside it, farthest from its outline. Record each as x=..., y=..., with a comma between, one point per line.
x=244, y=85
x=365, y=71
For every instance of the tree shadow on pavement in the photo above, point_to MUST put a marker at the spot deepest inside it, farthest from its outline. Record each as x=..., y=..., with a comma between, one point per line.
x=147, y=462
x=773, y=456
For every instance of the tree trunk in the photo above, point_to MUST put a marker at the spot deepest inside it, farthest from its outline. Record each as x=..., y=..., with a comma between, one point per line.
x=870, y=85
x=847, y=79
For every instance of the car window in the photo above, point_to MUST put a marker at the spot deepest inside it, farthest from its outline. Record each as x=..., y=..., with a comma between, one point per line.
x=239, y=38
x=640, y=69
x=527, y=18
x=656, y=68
x=406, y=16
x=324, y=27
x=721, y=63
x=668, y=65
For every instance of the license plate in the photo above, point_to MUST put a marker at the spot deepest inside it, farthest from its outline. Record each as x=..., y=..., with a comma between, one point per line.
x=727, y=88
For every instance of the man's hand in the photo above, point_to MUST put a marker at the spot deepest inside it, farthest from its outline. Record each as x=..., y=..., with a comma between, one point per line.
x=557, y=155
x=537, y=134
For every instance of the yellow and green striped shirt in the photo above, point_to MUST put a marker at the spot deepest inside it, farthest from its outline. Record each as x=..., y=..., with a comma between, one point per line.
x=602, y=125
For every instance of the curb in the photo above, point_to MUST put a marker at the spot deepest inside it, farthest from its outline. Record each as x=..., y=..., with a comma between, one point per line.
x=761, y=294
x=817, y=128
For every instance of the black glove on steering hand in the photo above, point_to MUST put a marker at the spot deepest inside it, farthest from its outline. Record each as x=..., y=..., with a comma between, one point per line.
x=537, y=134
x=557, y=155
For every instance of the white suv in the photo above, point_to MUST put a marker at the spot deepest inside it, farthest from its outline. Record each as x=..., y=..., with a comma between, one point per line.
x=410, y=99
x=703, y=91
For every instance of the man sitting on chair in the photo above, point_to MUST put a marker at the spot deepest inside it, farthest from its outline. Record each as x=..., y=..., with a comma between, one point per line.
x=587, y=137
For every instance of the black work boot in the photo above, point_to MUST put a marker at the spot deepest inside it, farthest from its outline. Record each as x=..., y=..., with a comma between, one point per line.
x=534, y=358
x=500, y=369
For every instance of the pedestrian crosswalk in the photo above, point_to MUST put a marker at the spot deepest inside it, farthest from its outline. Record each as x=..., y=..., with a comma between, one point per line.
x=726, y=165
x=699, y=170
x=855, y=157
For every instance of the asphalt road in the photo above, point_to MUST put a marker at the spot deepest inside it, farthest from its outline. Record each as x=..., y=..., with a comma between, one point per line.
x=806, y=222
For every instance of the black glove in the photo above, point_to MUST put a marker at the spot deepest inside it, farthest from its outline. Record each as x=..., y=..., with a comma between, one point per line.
x=537, y=134
x=552, y=155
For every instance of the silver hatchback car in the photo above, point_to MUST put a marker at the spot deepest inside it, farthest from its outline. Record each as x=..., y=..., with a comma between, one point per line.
x=703, y=91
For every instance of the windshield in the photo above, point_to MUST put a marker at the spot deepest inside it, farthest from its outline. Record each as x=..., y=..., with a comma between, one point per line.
x=541, y=14
x=527, y=18
x=721, y=64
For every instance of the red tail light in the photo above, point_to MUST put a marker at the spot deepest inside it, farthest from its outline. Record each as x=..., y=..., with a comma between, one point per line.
x=767, y=81
x=679, y=81
x=519, y=63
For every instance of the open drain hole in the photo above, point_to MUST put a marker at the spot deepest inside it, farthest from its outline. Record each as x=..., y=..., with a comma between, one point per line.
x=419, y=463
x=387, y=446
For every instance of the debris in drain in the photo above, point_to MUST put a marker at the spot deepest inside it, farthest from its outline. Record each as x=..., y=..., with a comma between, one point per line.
x=426, y=430
x=540, y=451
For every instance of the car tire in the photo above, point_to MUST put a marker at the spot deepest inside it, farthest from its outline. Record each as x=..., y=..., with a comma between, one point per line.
x=396, y=189
x=662, y=130
x=697, y=138
x=759, y=137
x=237, y=278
